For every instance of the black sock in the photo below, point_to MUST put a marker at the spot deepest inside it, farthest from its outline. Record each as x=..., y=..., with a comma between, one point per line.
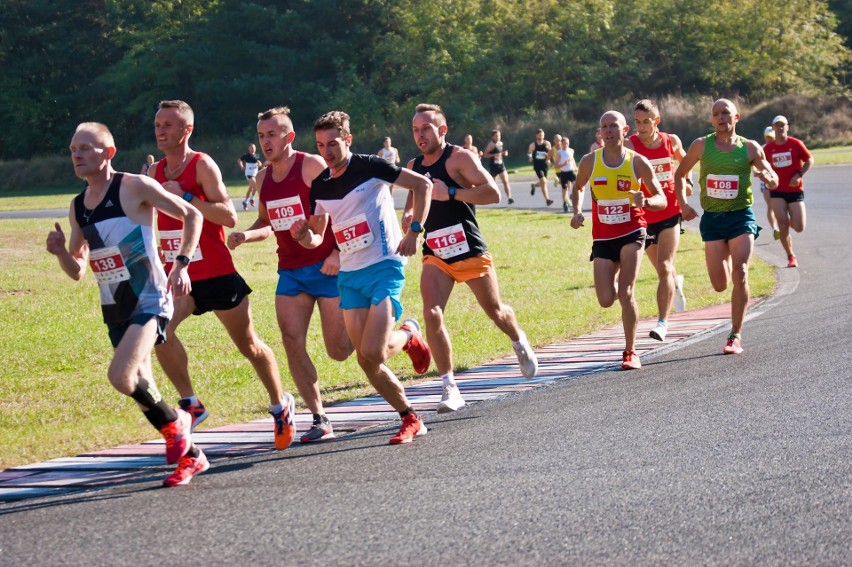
x=320, y=418
x=158, y=412
x=194, y=451
x=406, y=411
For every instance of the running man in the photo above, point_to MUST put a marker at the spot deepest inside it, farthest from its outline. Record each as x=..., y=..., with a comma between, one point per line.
x=598, y=143
x=353, y=195
x=769, y=136
x=468, y=145
x=112, y=229
x=494, y=153
x=791, y=160
x=566, y=169
x=149, y=161
x=216, y=285
x=618, y=222
x=728, y=227
x=454, y=250
x=250, y=164
x=538, y=154
x=554, y=149
x=387, y=152
x=305, y=277
x=663, y=232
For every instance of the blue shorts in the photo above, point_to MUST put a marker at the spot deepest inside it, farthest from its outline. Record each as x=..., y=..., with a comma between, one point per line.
x=371, y=285
x=117, y=330
x=307, y=280
x=729, y=225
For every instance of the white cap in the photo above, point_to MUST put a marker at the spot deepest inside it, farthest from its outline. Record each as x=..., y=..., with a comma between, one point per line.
x=769, y=132
x=780, y=118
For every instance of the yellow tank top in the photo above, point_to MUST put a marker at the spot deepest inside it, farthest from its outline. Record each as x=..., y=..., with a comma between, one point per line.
x=613, y=211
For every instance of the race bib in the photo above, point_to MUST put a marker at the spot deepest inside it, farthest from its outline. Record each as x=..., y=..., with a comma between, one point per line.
x=353, y=234
x=498, y=158
x=540, y=155
x=448, y=242
x=108, y=265
x=662, y=169
x=614, y=211
x=170, y=244
x=723, y=186
x=783, y=159
x=251, y=169
x=284, y=212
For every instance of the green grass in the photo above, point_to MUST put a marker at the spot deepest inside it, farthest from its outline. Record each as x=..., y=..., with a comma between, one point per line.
x=55, y=399
x=833, y=156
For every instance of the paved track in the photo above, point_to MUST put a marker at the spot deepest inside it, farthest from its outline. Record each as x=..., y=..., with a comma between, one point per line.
x=697, y=459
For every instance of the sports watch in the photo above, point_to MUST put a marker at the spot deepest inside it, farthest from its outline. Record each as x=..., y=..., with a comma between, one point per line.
x=182, y=259
x=451, y=191
x=187, y=196
x=416, y=227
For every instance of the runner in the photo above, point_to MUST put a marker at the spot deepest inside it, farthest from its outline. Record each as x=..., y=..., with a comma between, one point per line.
x=216, y=284
x=388, y=153
x=305, y=277
x=769, y=136
x=454, y=250
x=250, y=164
x=112, y=230
x=468, y=145
x=149, y=161
x=618, y=223
x=353, y=195
x=663, y=239
x=598, y=143
x=494, y=154
x=554, y=150
x=728, y=227
x=539, y=155
x=566, y=169
x=791, y=160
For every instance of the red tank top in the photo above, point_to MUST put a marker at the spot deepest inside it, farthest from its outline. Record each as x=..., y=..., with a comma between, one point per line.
x=286, y=201
x=212, y=258
x=662, y=162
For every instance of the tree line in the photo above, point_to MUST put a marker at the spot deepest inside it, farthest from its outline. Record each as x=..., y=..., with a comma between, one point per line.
x=484, y=61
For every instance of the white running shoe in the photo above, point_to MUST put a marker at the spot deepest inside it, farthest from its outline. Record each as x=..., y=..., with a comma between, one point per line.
x=451, y=399
x=679, y=302
x=658, y=332
x=526, y=356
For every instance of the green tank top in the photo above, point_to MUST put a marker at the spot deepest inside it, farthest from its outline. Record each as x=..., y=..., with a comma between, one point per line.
x=725, y=177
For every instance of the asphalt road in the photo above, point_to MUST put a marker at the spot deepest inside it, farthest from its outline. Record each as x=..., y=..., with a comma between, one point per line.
x=697, y=459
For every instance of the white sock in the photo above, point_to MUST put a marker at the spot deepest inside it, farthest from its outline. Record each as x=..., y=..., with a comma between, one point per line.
x=276, y=408
x=448, y=379
x=522, y=338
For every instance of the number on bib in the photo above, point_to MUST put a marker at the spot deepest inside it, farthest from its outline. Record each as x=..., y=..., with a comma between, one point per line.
x=723, y=186
x=353, y=234
x=448, y=242
x=108, y=265
x=170, y=244
x=284, y=212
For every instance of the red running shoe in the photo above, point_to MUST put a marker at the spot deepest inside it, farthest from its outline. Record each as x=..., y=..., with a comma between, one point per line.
x=733, y=345
x=177, y=436
x=187, y=468
x=630, y=360
x=412, y=426
x=285, y=427
x=791, y=261
x=417, y=349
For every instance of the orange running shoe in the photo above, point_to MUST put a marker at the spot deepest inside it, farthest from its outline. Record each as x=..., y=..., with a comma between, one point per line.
x=791, y=261
x=733, y=345
x=417, y=349
x=187, y=468
x=285, y=427
x=412, y=426
x=177, y=436
x=630, y=360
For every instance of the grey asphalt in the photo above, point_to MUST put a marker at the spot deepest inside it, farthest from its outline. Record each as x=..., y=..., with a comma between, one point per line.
x=697, y=459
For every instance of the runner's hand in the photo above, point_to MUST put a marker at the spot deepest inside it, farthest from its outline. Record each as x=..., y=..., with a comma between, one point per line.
x=235, y=239
x=577, y=220
x=56, y=240
x=688, y=213
x=331, y=265
x=178, y=282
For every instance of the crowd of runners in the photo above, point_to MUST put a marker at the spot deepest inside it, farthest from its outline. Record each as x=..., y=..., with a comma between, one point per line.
x=156, y=244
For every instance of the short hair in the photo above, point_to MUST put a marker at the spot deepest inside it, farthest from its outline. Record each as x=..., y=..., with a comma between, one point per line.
x=386, y=139
x=539, y=131
x=426, y=107
x=282, y=111
x=334, y=119
x=99, y=131
x=183, y=109
x=647, y=105
x=495, y=131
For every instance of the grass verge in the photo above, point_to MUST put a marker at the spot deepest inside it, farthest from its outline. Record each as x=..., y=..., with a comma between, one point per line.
x=54, y=351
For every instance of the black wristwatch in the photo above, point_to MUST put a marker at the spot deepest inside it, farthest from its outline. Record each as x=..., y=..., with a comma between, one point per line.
x=451, y=191
x=416, y=227
x=182, y=259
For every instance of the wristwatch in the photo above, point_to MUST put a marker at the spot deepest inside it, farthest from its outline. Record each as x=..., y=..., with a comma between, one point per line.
x=451, y=191
x=416, y=227
x=187, y=196
x=182, y=259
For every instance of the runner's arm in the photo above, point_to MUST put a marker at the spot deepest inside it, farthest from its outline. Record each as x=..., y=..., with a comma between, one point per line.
x=584, y=172
x=73, y=259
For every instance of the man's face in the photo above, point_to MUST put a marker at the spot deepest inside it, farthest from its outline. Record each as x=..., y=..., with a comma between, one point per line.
x=170, y=129
x=496, y=137
x=557, y=140
x=724, y=117
x=781, y=129
x=88, y=154
x=612, y=128
x=273, y=139
x=332, y=147
x=646, y=123
x=427, y=134
x=539, y=137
